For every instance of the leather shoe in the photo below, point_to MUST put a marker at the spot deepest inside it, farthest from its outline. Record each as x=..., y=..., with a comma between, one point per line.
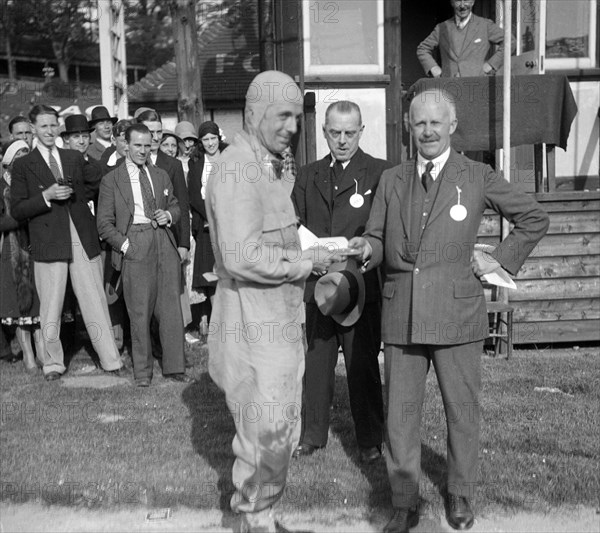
x=52, y=376
x=143, y=382
x=370, y=455
x=179, y=378
x=458, y=512
x=404, y=518
x=305, y=449
x=118, y=373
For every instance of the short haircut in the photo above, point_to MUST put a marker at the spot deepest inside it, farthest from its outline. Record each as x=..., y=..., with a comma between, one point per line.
x=41, y=109
x=345, y=107
x=140, y=128
x=121, y=126
x=148, y=116
x=16, y=120
x=440, y=95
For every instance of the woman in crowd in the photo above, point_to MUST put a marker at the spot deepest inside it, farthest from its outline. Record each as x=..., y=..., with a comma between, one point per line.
x=210, y=146
x=169, y=143
x=184, y=130
x=19, y=304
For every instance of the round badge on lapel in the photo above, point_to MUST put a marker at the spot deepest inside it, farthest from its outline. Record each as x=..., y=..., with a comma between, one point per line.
x=356, y=200
x=458, y=212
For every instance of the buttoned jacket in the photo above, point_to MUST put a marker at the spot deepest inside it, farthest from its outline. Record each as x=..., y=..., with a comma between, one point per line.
x=312, y=201
x=49, y=229
x=437, y=299
x=480, y=35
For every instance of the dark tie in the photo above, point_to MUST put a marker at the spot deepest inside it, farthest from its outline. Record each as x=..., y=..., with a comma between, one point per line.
x=426, y=178
x=147, y=195
x=338, y=170
x=54, y=168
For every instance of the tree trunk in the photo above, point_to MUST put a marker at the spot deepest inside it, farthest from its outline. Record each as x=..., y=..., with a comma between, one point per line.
x=12, y=64
x=190, y=106
x=63, y=65
x=267, y=45
x=63, y=71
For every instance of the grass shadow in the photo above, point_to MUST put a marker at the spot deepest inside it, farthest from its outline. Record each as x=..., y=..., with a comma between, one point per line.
x=211, y=434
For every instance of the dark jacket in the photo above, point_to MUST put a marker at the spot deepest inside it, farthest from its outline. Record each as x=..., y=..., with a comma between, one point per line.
x=311, y=197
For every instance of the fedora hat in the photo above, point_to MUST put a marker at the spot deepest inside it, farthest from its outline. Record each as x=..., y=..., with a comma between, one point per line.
x=100, y=113
x=340, y=293
x=75, y=124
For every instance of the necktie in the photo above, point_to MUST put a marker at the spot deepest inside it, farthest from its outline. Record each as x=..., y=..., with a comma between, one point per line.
x=426, y=178
x=54, y=168
x=338, y=169
x=147, y=195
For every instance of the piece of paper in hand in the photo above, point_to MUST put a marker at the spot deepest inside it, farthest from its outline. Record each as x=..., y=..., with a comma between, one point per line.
x=210, y=276
x=499, y=276
x=309, y=240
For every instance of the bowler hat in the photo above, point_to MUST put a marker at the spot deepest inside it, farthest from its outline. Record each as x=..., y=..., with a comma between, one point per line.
x=340, y=293
x=100, y=113
x=76, y=124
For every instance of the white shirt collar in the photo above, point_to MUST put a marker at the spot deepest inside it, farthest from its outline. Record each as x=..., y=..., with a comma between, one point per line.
x=344, y=163
x=462, y=23
x=438, y=164
x=104, y=143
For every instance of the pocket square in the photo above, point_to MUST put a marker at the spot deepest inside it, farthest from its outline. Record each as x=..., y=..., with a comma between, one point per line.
x=477, y=41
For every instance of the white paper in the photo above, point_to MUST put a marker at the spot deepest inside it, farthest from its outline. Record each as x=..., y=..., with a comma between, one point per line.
x=309, y=240
x=499, y=276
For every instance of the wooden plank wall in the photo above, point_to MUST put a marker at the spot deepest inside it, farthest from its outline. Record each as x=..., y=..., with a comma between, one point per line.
x=558, y=288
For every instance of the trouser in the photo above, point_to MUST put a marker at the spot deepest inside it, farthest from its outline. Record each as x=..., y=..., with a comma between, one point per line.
x=360, y=344
x=87, y=281
x=458, y=371
x=151, y=274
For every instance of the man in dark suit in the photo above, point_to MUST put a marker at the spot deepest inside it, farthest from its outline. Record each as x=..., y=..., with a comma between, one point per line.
x=50, y=189
x=76, y=136
x=136, y=209
x=332, y=198
x=464, y=44
x=422, y=227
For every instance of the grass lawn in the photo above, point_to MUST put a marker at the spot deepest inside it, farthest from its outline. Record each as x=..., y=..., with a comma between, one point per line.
x=170, y=445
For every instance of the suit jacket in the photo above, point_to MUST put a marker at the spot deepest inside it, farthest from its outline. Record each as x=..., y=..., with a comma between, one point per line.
x=106, y=168
x=438, y=299
x=116, y=207
x=311, y=197
x=480, y=35
x=174, y=169
x=96, y=150
x=49, y=229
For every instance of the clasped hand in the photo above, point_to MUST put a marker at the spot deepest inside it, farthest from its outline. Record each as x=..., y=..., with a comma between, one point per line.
x=57, y=192
x=161, y=217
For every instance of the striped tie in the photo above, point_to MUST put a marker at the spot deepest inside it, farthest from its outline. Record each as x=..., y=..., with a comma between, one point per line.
x=147, y=194
x=54, y=168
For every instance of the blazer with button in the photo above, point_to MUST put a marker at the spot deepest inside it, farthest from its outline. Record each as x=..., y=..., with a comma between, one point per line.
x=437, y=299
x=49, y=232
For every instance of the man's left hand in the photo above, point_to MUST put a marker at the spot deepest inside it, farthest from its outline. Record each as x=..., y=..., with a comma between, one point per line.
x=483, y=263
x=488, y=70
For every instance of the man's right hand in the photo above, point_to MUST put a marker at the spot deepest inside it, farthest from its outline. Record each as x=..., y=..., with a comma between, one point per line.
x=360, y=243
x=57, y=192
x=321, y=258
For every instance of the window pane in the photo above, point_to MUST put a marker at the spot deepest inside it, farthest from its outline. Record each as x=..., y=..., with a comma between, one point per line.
x=568, y=29
x=344, y=32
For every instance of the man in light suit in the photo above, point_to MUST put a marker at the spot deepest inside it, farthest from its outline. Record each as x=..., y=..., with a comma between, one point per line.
x=464, y=43
x=332, y=198
x=136, y=209
x=422, y=227
x=50, y=189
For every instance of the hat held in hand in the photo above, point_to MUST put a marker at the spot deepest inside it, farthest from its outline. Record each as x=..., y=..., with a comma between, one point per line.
x=340, y=293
